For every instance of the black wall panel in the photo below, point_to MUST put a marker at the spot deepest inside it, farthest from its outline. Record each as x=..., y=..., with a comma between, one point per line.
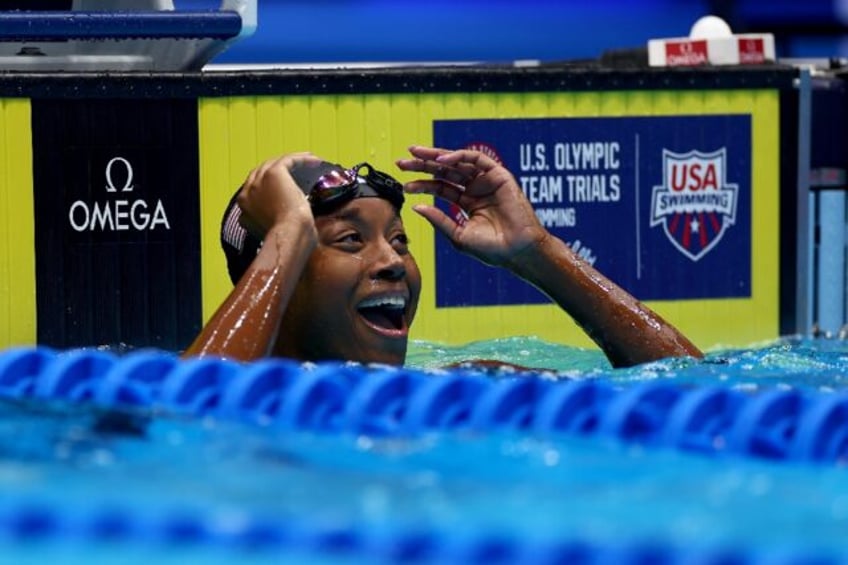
x=117, y=223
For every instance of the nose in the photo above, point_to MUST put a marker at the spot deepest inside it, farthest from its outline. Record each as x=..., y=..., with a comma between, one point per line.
x=388, y=263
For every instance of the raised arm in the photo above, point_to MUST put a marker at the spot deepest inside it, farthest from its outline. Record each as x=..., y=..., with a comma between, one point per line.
x=246, y=325
x=502, y=230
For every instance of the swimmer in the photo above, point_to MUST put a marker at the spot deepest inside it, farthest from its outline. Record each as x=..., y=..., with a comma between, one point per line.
x=323, y=269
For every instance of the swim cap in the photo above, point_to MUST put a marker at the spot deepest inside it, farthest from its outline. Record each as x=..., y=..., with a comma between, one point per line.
x=240, y=246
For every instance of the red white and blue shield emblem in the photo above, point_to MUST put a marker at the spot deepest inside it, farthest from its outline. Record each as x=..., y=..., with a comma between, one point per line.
x=695, y=204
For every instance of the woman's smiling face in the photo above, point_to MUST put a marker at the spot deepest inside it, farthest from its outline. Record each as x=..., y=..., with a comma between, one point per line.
x=357, y=296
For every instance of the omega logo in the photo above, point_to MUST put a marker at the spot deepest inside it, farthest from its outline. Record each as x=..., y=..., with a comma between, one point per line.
x=110, y=185
x=118, y=214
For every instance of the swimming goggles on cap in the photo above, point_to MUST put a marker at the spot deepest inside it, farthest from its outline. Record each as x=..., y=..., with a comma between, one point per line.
x=341, y=185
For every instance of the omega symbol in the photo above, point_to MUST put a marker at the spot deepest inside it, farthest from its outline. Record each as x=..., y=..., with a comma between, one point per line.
x=118, y=213
x=110, y=185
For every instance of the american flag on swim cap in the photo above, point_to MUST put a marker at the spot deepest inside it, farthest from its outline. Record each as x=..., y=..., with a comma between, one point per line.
x=240, y=246
x=231, y=230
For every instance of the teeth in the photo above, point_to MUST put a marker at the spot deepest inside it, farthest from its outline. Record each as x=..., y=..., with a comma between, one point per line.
x=384, y=302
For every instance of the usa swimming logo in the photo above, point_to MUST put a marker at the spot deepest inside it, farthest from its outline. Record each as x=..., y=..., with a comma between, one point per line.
x=695, y=204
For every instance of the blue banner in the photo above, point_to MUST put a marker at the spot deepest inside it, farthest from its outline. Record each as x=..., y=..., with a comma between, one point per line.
x=660, y=205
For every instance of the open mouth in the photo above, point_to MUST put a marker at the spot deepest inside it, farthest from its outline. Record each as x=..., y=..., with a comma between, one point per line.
x=384, y=313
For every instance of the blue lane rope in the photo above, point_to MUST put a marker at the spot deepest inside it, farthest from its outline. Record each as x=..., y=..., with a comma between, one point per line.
x=336, y=398
x=339, y=398
x=25, y=525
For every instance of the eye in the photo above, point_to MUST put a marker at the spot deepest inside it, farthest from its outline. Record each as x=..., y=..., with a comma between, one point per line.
x=400, y=242
x=349, y=240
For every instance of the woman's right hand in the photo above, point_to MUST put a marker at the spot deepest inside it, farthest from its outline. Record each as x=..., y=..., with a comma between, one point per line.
x=270, y=196
x=246, y=325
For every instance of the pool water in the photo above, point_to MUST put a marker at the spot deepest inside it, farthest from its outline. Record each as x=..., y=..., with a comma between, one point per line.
x=178, y=488
x=793, y=361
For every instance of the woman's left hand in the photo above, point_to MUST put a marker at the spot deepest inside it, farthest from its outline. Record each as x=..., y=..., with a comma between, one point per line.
x=499, y=220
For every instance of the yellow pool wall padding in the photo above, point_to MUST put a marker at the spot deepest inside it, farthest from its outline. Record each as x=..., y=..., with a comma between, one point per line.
x=236, y=133
x=17, y=226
